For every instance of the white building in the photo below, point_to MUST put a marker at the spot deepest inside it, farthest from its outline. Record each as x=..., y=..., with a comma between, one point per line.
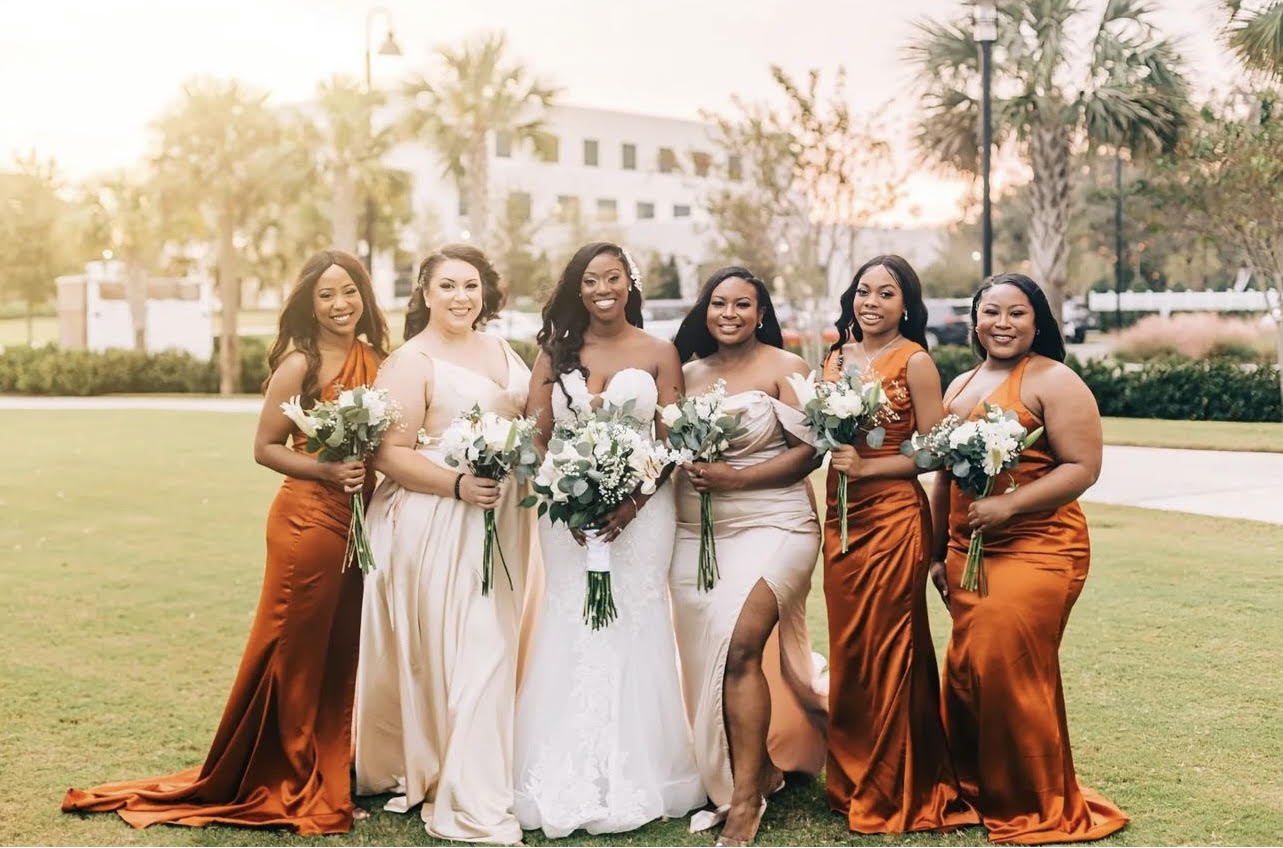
x=639, y=178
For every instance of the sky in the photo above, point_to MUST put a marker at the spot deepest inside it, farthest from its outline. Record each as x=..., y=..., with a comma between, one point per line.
x=81, y=79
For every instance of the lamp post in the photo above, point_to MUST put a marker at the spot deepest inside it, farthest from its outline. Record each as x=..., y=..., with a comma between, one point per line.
x=986, y=32
x=388, y=48
x=1119, y=258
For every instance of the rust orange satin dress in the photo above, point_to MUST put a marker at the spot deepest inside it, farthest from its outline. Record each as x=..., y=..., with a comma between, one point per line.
x=282, y=754
x=889, y=768
x=1004, y=708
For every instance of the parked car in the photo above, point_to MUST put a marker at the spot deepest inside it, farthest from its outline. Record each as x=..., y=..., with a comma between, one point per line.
x=948, y=321
x=1077, y=319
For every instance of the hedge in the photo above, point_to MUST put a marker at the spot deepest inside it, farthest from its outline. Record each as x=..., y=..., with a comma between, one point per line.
x=1204, y=390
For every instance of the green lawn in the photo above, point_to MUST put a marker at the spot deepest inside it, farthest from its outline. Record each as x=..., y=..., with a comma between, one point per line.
x=133, y=547
x=1209, y=435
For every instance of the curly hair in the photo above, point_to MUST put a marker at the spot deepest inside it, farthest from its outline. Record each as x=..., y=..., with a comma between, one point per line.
x=693, y=338
x=298, y=328
x=493, y=293
x=565, y=318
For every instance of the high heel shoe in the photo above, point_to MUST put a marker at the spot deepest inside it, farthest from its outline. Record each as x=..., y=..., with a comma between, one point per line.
x=723, y=841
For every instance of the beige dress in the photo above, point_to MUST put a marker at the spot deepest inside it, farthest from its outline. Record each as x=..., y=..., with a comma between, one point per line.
x=769, y=535
x=436, y=684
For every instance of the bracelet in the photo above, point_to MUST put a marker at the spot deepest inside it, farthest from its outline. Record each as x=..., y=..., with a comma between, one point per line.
x=457, y=480
x=636, y=508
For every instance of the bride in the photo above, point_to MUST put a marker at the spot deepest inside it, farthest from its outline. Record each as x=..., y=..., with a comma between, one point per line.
x=601, y=738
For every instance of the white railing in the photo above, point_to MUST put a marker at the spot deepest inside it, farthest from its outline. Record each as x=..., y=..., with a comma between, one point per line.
x=1186, y=301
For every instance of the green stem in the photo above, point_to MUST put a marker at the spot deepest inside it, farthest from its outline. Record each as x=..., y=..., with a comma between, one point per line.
x=708, y=574
x=842, y=506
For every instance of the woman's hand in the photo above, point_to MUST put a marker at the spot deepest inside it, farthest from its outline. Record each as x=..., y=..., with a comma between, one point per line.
x=617, y=519
x=989, y=513
x=937, y=573
x=712, y=476
x=479, y=491
x=846, y=460
x=348, y=476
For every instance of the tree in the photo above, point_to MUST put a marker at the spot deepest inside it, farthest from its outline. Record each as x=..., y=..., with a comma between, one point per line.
x=221, y=154
x=662, y=278
x=29, y=233
x=481, y=91
x=814, y=175
x=1254, y=31
x=1229, y=176
x=1133, y=93
x=525, y=273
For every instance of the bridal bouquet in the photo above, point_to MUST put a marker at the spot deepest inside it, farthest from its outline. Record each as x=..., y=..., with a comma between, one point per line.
x=838, y=412
x=977, y=452
x=346, y=430
x=590, y=468
x=491, y=446
x=700, y=426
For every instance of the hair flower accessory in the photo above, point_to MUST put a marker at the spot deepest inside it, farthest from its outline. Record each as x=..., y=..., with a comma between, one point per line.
x=630, y=265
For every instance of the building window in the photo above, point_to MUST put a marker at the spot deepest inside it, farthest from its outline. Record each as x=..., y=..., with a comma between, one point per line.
x=645, y=210
x=702, y=162
x=629, y=157
x=667, y=160
x=567, y=207
x=590, y=152
x=549, y=148
x=607, y=209
x=735, y=167
x=681, y=210
x=519, y=206
x=503, y=144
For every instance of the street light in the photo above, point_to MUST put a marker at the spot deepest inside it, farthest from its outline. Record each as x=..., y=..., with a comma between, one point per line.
x=388, y=48
x=986, y=32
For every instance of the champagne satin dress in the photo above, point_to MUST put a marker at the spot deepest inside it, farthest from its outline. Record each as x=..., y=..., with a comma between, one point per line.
x=889, y=769
x=436, y=689
x=282, y=753
x=1004, y=707
x=763, y=535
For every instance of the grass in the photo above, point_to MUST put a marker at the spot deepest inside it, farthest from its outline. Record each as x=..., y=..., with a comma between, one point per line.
x=1207, y=435
x=132, y=554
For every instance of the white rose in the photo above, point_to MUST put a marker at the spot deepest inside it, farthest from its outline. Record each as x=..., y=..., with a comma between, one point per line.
x=347, y=398
x=669, y=414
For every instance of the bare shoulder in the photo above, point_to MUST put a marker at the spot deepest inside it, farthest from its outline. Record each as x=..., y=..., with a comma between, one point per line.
x=661, y=351
x=1048, y=374
x=920, y=362
x=784, y=363
x=291, y=372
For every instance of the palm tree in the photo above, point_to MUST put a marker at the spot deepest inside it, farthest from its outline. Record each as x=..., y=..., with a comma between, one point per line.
x=481, y=91
x=1255, y=33
x=1133, y=93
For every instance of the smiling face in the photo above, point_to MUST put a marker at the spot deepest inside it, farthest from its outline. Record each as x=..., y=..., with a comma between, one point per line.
x=878, y=302
x=604, y=287
x=733, y=311
x=454, y=295
x=1005, y=322
x=336, y=302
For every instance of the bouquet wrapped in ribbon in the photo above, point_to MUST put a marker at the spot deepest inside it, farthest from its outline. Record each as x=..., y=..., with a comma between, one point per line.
x=590, y=468
x=840, y=412
x=699, y=427
x=491, y=446
x=976, y=452
x=347, y=429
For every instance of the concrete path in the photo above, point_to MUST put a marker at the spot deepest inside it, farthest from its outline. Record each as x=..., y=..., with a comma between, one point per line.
x=1224, y=483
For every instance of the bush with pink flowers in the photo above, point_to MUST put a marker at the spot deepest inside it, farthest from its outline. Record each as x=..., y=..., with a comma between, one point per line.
x=1197, y=335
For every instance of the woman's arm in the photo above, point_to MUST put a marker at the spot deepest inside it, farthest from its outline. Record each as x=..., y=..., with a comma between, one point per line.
x=274, y=429
x=1072, y=423
x=406, y=384
x=928, y=409
x=539, y=400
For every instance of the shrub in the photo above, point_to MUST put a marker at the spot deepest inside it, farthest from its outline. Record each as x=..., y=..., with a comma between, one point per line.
x=1196, y=336
x=1208, y=390
x=952, y=360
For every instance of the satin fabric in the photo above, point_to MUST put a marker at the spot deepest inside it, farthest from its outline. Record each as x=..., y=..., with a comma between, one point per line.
x=437, y=682
x=889, y=768
x=282, y=754
x=1004, y=707
x=766, y=535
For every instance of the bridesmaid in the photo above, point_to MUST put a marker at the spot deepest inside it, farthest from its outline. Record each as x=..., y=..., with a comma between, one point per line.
x=282, y=754
x=438, y=674
x=1004, y=708
x=751, y=694
x=888, y=767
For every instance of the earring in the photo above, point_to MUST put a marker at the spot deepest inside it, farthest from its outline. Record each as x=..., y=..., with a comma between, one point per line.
x=906, y=315
x=759, y=325
x=1036, y=332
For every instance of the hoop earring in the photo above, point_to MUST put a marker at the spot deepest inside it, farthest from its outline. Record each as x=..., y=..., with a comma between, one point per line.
x=759, y=324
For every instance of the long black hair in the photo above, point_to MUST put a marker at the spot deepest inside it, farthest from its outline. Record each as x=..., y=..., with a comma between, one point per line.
x=693, y=338
x=493, y=295
x=1048, y=340
x=913, y=326
x=565, y=318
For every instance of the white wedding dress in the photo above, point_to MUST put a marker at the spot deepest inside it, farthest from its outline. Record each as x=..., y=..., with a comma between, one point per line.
x=601, y=740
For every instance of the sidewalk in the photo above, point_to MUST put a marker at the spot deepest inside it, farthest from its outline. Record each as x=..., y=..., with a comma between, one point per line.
x=1224, y=483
